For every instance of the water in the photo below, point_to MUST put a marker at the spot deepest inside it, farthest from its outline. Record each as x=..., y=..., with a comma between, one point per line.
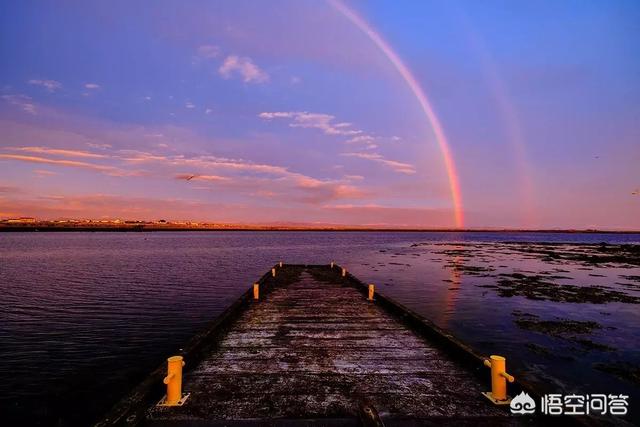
x=85, y=316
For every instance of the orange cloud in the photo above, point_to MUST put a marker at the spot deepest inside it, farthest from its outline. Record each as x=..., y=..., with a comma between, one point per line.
x=70, y=163
x=59, y=152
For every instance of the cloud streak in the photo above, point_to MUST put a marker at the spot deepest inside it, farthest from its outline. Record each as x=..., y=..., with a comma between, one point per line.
x=23, y=102
x=395, y=165
x=303, y=119
x=49, y=85
x=59, y=152
x=70, y=163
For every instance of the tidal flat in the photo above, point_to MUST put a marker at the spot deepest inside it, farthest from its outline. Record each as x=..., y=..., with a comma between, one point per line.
x=87, y=315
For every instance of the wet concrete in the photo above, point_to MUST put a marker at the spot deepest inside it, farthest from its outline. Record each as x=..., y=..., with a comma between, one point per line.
x=316, y=349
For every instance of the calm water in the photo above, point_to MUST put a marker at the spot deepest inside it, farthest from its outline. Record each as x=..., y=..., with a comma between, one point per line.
x=85, y=316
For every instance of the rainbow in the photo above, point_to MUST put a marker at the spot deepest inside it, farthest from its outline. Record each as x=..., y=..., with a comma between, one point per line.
x=417, y=91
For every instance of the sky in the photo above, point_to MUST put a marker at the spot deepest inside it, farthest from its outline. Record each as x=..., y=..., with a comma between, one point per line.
x=432, y=114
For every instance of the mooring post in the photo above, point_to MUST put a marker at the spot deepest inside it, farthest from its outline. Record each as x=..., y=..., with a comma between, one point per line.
x=273, y=272
x=173, y=380
x=344, y=272
x=256, y=291
x=499, y=378
x=372, y=290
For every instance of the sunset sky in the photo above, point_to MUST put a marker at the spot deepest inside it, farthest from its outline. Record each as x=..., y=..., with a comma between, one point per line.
x=420, y=114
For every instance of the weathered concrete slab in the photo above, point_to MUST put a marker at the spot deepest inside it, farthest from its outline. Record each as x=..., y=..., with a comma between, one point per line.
x=316, y=349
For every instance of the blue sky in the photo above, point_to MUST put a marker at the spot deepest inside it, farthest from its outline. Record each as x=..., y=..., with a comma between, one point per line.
x=288, y=112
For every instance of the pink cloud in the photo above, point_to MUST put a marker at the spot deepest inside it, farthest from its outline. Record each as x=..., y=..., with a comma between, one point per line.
x=244, y=67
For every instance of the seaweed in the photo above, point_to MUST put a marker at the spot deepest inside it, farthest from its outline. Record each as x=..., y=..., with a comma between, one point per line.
x=573, y=331
x=546, y=353
x=591, y=254
x=623, y=370
x=536, y=287
x=558, y=328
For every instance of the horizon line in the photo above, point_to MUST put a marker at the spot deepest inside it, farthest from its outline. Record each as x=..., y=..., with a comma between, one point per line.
x=189, y=225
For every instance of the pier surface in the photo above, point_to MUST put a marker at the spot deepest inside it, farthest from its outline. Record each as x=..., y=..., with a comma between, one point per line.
x=315, y=348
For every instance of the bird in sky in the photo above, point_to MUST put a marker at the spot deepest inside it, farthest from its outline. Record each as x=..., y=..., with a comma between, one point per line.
x=186, y=177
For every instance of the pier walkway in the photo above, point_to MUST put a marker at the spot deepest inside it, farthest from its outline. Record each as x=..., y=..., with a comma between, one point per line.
x=313, y=348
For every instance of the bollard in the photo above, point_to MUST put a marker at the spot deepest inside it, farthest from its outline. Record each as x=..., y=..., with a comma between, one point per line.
x=372, y=290
x=332, y=265
x=499, y=378
x=273, y=272
x=256, y=291
x=344, y=272
x=280, y=264
x=173, y=380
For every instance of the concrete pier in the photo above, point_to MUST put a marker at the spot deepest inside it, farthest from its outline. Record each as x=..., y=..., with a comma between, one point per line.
x=311, y=348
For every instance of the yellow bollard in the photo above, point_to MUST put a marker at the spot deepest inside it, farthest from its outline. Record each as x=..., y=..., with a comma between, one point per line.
x=344, y=272
x=499, y=378
x=256, y=291
x=273, y=272
x=280, y=264
x=372, y=290
x=173, y=380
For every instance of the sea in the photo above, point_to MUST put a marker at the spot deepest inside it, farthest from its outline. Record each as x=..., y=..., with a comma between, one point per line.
x=85, y=316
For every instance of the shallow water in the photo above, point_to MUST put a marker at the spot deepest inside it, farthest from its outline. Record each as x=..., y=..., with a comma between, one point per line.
x=85, y=316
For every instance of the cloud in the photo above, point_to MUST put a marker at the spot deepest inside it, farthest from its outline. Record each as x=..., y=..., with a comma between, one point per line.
x=21, y=101
x=397, y=166
x=361, y=139
x=92, y=86
x=100, y=205
x=304, y=119
x=133, y=151
x=256, y=178
x=208, y=51
x=58, y=152
x=44, y=172
x=49, y=85
x=110, y=170
x=244, y=67
x=354, y=177
x=8, y=189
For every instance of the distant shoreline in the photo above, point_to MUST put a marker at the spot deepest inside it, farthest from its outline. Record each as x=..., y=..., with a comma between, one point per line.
x=212, y=227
